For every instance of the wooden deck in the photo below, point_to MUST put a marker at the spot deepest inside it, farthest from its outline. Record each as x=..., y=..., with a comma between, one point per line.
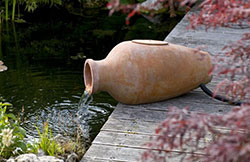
x=129, y=127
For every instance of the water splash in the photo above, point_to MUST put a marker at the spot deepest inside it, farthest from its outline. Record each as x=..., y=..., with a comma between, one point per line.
x=83, y=114
x=71, y=118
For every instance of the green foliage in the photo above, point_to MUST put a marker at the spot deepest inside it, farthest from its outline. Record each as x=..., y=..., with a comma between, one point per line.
x=69, y=145
x=46, y=141
x=32, y=5
x=6, y=9
x=11, y=134
x=92, y=3
x=33, y=148
x=13, y=10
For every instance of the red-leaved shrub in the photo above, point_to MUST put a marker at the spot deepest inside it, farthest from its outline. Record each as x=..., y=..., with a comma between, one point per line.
x=215, y=137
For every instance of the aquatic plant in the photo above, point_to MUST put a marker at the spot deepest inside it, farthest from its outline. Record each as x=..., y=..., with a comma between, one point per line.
x=74, y=144
x=6, y=9
x=46, y=142
x=56, y=146
x=11, y=134
x=13, y=10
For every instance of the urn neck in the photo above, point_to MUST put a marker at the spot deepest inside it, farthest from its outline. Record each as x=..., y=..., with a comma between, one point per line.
x=93, y=75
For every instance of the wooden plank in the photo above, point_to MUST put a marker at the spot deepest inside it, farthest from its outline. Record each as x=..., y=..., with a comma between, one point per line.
x=96, y=159
x=182, y=27
x=135, y=140
x=193, y=97
x=209, y=45
x=113, y=153
x=213, y=40
x=234, y=29
x=135, y=126
x=157, y=111
x=206, y=38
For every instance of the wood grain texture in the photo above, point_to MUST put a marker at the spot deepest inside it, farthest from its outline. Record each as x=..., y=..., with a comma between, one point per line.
x=111, y=153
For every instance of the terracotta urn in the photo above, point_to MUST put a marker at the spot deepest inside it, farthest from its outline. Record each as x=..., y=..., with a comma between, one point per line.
x=145, y=71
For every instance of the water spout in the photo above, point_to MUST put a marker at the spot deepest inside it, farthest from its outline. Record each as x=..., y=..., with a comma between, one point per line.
x=85, y=100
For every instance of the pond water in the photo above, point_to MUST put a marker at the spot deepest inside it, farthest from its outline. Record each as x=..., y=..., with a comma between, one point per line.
x=45, y=57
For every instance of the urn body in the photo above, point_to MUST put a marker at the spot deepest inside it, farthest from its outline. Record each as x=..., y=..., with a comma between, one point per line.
x=136, y=72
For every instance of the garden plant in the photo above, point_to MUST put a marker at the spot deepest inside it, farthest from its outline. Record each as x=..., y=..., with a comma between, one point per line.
x=11, y=134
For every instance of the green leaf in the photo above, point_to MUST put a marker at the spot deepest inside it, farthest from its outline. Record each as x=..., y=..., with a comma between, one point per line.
x=38, y=131
x=22, y=146
x=6, y=104
x=12, y=116
x=20, y=21
x=4, y=109
x=22, y=131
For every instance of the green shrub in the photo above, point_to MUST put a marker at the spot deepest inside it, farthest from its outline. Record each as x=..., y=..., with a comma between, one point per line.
x=11, y=134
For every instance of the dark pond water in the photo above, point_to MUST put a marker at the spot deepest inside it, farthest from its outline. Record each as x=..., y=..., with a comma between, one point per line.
x=45, y=57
